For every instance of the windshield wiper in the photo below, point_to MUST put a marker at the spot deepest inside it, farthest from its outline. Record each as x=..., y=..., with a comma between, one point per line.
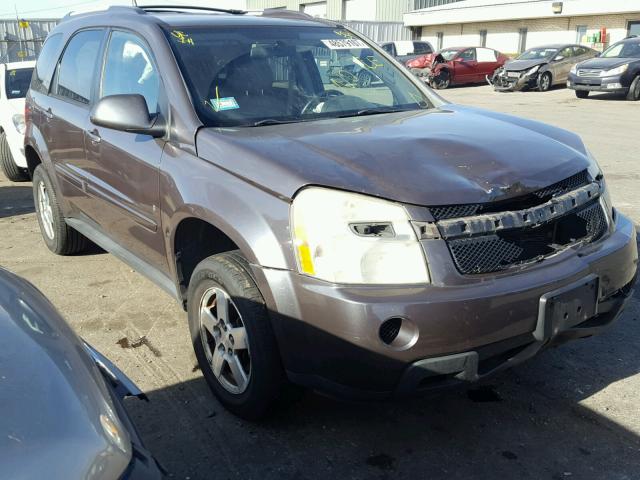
x=375, y=111
x=272, y=121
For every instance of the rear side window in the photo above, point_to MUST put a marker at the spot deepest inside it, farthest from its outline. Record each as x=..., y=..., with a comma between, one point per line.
x=17, y=82
x=47, y=63
x=421, y=48
x=129, y=68
x=486, y=55
x=77, y=67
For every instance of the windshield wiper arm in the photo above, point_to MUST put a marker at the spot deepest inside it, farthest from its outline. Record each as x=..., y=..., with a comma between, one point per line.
x=271, y=121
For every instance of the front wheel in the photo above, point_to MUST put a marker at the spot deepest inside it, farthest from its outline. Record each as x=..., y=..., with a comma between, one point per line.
x=634, y=90
x=544, y=83
x=441, y=81
x=232, y=336
x=364, y=79
x=9, y=167
x=582, y=93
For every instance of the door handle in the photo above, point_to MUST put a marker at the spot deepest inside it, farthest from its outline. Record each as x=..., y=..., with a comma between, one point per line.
x=48, y=113
x=94, y=136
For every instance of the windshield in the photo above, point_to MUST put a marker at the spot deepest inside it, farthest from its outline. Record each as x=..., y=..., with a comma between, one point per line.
x=448, y=54
x=623, y=50
x=253, y=76
x=538, y=54
x=17, y=82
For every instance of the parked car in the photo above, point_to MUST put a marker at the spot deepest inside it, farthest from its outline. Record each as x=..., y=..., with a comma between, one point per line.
x=617, y=70
x=540, y=67
x=14, y=83
x=368, y=242
x=405, y=50
x=457, y=66
x=62, y=413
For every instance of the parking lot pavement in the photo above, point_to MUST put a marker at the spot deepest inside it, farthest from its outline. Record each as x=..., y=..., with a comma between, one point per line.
x=571, y=413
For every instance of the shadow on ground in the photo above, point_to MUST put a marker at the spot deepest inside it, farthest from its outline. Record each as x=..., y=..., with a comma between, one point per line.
x=542, y=420
x=15, y=200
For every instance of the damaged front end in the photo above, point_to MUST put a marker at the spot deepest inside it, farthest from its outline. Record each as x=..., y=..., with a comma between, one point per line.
x=507, y=80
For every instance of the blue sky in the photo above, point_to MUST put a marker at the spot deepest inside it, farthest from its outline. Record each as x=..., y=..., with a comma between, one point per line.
x=58, y=8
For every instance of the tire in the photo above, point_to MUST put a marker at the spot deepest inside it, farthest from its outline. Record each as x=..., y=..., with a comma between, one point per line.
x=60, y=238
x=582, y=93
x=364, y=79
x=544, y=82
x=9, y=168
x=442, y=81
x=634, y=90
x=226, y=278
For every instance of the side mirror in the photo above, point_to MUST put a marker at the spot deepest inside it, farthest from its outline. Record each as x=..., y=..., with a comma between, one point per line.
x=127, y=113
x=559, y=58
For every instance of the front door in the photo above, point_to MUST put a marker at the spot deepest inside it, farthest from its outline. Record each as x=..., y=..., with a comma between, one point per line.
x=124, y=167
x=466, y=67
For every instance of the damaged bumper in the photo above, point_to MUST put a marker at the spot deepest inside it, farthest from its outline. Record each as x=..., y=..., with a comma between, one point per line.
x=512, y=81
x=458, y=329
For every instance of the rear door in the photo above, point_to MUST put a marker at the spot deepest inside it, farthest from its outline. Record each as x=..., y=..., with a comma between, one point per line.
x=66, y=113
x=123, y=168
x=562, y=65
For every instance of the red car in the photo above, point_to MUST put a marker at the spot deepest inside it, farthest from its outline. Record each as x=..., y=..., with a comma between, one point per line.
x=457, y=65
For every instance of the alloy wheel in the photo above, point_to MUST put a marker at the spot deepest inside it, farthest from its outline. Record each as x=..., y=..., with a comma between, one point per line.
x=225, y=342
x=45, y=210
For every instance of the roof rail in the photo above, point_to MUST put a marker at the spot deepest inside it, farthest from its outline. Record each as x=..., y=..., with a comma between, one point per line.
x=109, y=8
x=178, y=8
x=631, y=36
x=281, y=13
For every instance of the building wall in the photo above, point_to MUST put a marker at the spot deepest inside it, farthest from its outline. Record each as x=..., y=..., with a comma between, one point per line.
x=368, y=10
x=504, y=35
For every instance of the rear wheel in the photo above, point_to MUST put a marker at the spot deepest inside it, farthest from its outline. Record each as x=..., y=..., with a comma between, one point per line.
x=544, y=82
x=232, y=336
x=582, y=93
x=9, y=167
x=57, y=235
x=634, y=90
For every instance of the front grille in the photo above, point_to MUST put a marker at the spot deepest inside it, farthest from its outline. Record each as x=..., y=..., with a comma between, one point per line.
x=589, y=72
x=503, y=249
x=539, y=196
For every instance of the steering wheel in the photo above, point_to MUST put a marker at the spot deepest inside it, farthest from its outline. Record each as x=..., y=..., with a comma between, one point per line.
x=316, y=99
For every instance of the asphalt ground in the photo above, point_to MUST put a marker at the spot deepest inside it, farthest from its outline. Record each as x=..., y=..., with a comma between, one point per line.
x=571, y=413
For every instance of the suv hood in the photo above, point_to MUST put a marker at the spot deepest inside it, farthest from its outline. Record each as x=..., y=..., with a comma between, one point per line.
x=448, y=155
x=606, y=63
x=518, y=65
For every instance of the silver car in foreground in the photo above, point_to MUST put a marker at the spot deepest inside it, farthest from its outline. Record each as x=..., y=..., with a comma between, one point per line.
x=61, y=412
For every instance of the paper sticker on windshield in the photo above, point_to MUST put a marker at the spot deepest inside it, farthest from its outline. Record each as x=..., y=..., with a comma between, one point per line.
x=345, y=44
x=225, y=103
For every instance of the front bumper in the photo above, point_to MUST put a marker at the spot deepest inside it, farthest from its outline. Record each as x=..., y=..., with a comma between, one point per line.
x=597, y=84
x=329, y=334
x=504, y=83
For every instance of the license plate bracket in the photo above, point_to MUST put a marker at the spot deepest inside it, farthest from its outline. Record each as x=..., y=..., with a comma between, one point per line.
x=567, y=307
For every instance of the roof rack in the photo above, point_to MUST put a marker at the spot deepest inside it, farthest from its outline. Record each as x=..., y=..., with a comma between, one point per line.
x=177, y=8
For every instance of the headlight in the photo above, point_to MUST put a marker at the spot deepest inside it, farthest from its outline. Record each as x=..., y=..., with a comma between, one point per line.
x=574, y=68
x=18, y=123
x=615, y=71
x=533, y=70
x=345, y=237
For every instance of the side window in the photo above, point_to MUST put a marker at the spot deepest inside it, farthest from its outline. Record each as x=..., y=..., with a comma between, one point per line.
x=388, y=47
x=579, y=51
x=469, y=54
x=421, y=48
x=46, y=64
x=77, y=67
x=486, y=55
x=129, y=69
x=566, y=52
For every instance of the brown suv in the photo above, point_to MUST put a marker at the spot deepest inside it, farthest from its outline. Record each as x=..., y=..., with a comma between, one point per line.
x=362, y=240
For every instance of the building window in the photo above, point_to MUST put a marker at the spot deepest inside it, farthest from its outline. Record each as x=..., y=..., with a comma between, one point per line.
x=483, y=38
x=633, y=28
x=581, y=32
x=439, y=38
x=417, y=4
x=522, y=40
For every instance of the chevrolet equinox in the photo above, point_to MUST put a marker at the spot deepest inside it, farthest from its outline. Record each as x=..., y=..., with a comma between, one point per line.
x=365, y=240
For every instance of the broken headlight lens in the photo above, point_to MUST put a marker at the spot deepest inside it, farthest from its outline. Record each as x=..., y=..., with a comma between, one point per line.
x=18, y=123
x=344, y=237
x=533, y=70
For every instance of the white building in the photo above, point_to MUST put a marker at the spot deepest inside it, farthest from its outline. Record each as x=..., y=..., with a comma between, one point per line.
x=511, y=26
